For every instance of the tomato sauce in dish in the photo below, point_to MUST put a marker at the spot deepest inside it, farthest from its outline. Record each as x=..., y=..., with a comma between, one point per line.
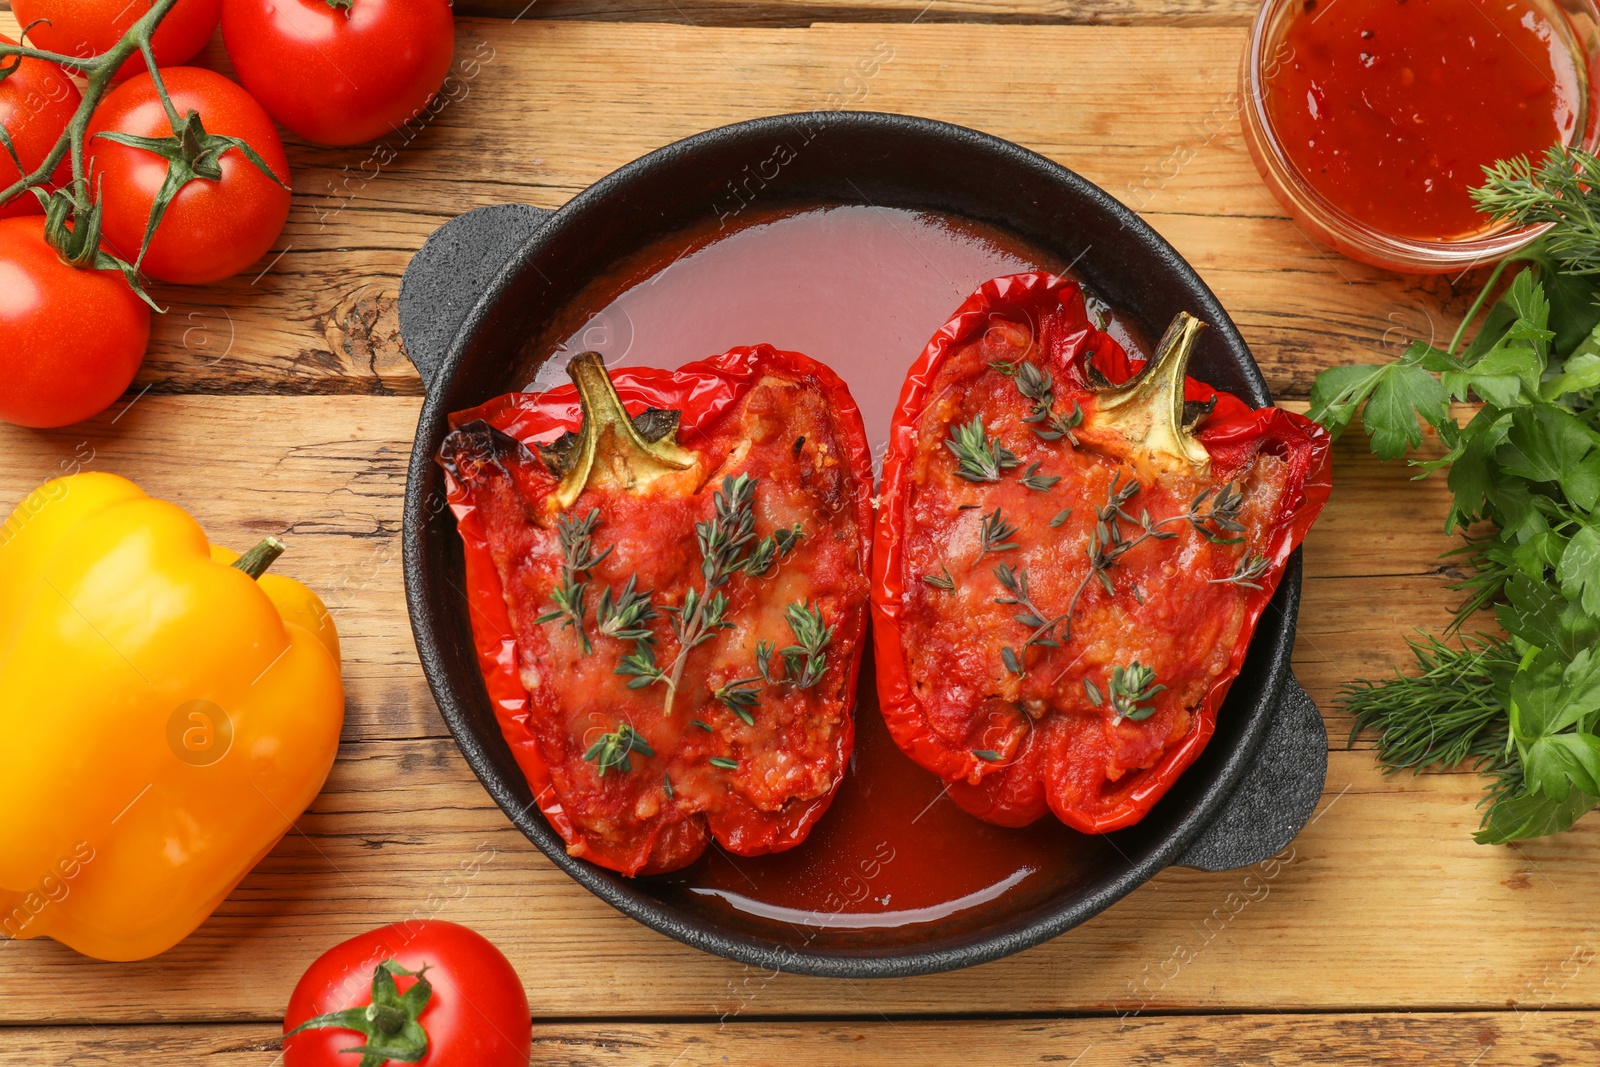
x=860, y=289
x=1390, y=109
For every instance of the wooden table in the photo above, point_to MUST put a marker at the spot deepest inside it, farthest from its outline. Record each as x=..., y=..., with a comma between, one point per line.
x=281, y=402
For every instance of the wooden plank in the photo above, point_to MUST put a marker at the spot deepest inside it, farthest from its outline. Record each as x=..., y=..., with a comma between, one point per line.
x=1494, y=1039
x=805, y=12
x=540, y=109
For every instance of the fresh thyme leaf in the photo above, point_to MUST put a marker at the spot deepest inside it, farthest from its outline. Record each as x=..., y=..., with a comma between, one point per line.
x=739, y=697
x=578, y=558
x=1038, y=386
x=994, y=533
x=1039, y=483
x=979, y=458
x=988, y=755
x=942, y=580
x=613, y=749
x=1130, y=687
x=1008, y=656
x=1061, y=517
x=1248, y=573
x=704, y=726
x=623, y=615
x=806, y=661
x=666, y=786
x=724, y=762
x=641, y=664
x=764, y=661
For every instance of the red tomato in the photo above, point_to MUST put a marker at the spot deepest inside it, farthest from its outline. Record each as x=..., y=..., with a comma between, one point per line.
x=36, y=103
x=85, y=28
x=340, y=77
x=70, y=340
x=476, y=1017
x=212, y=229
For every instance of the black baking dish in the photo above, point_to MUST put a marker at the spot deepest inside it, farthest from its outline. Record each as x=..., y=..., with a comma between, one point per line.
x=483, y=284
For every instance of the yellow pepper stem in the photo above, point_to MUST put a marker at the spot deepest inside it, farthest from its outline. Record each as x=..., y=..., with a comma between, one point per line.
x=260, y=559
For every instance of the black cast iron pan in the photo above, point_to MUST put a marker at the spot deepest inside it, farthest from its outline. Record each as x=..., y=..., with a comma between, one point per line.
x=483, y=285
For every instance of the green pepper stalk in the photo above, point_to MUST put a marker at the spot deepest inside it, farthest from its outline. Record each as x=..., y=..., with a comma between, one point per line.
x=72, y=215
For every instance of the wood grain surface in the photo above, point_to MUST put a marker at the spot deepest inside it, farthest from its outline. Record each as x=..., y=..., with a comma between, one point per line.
x=281, y=402
x=537, y=110
x=1510, y=1039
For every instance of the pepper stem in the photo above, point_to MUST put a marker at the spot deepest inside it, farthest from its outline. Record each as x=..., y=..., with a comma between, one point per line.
x=260, y=559
x=1147, y=409
x=609, y=445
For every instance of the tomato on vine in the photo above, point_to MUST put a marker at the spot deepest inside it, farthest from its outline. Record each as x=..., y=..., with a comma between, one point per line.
x=426, y=992
x=70, y=340
x=204, y=202
x=86, y=28
x=340, y=72
x=37, y=100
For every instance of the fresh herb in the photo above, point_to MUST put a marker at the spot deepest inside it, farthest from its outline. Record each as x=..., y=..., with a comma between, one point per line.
x=1039, y=483
x=666, y=786
x=701, y=724
x=728, y=546
x=623, y=615
x=1038, y=386
x=988, y=755
x=724, y=762
x=1108, y=542
x=1060, y=517
x=1127, y=692
x=615, y=748
x=994, y=533
x=740, y=697
x=942, y=580
x=805, y=661
x=979, y=458
x=1251, y=569
x=764, y=650
x=1219, y=523
x=578, y=558
x=1015, y=582
x=1524, y=708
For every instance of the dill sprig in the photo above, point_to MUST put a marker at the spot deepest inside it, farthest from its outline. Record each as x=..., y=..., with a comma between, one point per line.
x=1563, y=189
x=578, y=558
x=1449, y=712
x=614, y=749
x=979, y=458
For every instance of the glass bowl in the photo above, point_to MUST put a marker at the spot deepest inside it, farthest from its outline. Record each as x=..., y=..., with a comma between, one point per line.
x=1578, y=24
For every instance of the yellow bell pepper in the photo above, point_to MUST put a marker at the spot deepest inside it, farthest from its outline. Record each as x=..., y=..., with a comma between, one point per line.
x=164, y=717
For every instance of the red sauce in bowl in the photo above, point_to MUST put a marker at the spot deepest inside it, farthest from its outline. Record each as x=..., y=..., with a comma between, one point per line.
x=1390, y=109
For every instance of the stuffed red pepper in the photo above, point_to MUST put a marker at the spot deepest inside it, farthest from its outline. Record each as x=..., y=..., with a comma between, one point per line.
x=1072, y=553
x=667, y=576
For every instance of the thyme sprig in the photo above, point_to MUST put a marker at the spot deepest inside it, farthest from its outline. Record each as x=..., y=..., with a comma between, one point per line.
x=1127, y=692
x=724, y=542
x=623, y=615
x=942, y=580
x=1248, y=574
x=614, y=749
x=1038, y=386
x=740, y=697
x=994, y=534
x=1039, y=483
x=805, y=661
x=979, y=458
x=1015, y=582
x=578, y=558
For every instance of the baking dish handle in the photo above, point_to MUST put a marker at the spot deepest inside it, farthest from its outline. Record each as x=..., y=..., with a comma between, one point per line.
x=1274, y=800
x=454, y=267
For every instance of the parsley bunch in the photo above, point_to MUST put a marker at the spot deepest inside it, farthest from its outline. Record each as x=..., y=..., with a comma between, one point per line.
x=1525, y=705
